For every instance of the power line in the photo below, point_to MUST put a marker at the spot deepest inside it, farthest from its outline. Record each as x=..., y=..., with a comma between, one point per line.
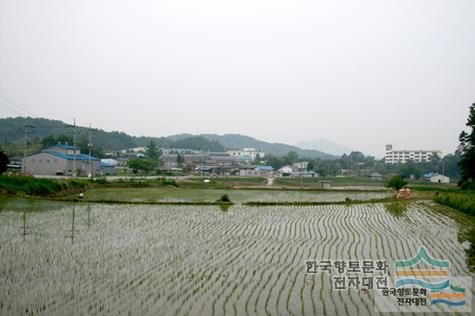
x=11, y=109
x=17, y=106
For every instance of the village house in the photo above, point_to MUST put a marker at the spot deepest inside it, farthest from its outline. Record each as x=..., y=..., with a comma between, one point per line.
x=298, y=169
x=62, y=159
x=255, y=171
x=375, y=176
x=434, y=177
x=108, y=166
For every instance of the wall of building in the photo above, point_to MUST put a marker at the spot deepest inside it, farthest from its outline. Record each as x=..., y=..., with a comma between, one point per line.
x=249, y=173
x=51, y=165
x=402, y=156
x=83, y=166
x=440, y=179
x=247, y=152
x=45, y=164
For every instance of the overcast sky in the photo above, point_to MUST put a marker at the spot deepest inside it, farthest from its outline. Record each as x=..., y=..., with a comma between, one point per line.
x=361, y=73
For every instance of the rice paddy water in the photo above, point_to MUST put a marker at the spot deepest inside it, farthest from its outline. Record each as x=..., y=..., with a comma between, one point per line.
x=60, y=258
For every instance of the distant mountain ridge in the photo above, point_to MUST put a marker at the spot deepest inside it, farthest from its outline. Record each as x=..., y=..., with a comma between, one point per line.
x=12, y=131
x=325, y=145
x=241, y=141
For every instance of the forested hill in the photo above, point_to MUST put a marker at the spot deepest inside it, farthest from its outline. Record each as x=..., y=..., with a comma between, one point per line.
x=12, y=132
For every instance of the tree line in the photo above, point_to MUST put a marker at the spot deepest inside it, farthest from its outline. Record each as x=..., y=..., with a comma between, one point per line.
x=358, y=164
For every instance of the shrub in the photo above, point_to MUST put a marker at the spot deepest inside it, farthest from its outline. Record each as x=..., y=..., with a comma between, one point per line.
x=396, y=182
x=168, y=182
x=462, y=202
x=224, y=199
x=101, y=180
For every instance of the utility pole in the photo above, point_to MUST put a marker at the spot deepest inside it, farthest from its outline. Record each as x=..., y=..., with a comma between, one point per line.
x=23, y=165
x=74, y=148
x=348, y=165
x=89, y=145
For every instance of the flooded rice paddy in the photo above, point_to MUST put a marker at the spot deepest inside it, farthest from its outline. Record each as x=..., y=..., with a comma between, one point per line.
x=84, y=258
x=171, y=194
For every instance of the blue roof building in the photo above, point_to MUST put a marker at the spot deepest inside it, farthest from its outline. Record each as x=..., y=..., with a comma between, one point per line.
x=62, y=159
x=71, y=157
x=265, y=168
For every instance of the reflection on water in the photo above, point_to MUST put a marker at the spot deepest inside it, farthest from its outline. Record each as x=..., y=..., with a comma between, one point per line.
x=88, y=210
x=83, y=258
x=73, y=230
x=468, y=235
x=224, y=207
x=28, y=221
x=24, y=227
x=13, y=204
x=3, y=202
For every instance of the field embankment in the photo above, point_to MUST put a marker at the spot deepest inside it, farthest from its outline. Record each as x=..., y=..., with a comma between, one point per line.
x=41, y=187
x=464, y=202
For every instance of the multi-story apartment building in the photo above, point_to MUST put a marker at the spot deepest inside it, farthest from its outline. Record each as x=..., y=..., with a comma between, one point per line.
x=402, y=156
x=246, y=152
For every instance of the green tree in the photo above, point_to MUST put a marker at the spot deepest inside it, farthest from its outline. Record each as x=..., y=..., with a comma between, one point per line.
x=274, y=161
x=449, y=165
x=143, y=164
x=48, y=141
x=83, y=145
x=467, y=150
x=396, y=182
x=410, y=168
x=194, y=142
x=291, y=157
x=3, y=162
x=180, y=159
x=153, y=151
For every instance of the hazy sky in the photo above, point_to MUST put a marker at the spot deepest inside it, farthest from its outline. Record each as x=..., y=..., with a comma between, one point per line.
x=361, y=73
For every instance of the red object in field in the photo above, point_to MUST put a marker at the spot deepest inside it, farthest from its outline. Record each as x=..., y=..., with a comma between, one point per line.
x=404, y=193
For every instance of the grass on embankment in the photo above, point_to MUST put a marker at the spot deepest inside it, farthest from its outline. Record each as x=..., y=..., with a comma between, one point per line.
x=40, y=187
x=24, y=185
x=464, y=202
x=31, y=186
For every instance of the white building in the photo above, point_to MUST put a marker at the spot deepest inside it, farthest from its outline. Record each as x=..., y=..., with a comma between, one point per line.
x=285, y=171
x=250, y=152
x=438, y=178
x=134, y=150
x=301, y=166
x=402, y=156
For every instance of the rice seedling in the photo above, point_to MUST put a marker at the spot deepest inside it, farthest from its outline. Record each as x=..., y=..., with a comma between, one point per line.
x=185, y=259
